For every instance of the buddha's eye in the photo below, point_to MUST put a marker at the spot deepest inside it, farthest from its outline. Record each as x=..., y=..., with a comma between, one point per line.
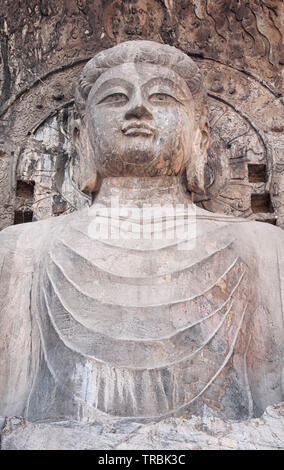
x=115, y=98
x=161, y=98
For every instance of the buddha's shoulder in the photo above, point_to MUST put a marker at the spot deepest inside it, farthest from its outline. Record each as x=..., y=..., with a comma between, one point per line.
x=32, y=236
x=259, y=236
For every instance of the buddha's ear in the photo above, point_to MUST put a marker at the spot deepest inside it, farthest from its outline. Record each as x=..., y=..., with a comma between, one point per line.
x=88, y=177
x=196, y=163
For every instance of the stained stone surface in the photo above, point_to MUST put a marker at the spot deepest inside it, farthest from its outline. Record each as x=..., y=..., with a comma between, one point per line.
x=47, y=365
x=237, y=44
x=97, y=323
x=196, y=433
x=141, y=327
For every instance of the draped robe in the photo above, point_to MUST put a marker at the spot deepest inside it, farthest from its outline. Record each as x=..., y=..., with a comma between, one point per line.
x=140, y=329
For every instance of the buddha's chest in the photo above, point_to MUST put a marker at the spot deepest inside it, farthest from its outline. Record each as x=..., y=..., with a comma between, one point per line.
x=145, y=332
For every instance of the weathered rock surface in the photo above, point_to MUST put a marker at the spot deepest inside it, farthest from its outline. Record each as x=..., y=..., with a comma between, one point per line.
x=244, y=177
x=138, y=327
x=196, y=433
x=237, y=44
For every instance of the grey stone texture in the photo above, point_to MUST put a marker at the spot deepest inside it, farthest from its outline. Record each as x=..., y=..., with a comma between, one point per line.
x=239, y=48
x=141, y=328
x=196, y=433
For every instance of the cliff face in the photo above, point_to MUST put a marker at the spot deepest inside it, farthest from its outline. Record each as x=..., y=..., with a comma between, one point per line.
x=238, y=46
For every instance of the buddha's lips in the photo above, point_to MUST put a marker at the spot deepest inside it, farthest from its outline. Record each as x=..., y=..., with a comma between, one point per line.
x=138, y=128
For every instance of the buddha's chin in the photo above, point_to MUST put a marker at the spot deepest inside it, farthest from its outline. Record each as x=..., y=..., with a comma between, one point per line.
x=139, y=160
x=130, y=162
x=148, y=168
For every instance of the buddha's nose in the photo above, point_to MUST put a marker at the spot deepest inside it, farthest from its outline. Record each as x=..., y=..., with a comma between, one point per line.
x=138, y=108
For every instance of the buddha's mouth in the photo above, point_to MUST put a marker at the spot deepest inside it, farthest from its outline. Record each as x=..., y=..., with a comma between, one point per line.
x=134, y=129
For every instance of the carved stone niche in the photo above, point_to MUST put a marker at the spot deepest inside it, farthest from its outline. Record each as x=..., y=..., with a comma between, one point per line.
x=242, y=167
x=237, y=47
x=236, y=44
x=100, y=324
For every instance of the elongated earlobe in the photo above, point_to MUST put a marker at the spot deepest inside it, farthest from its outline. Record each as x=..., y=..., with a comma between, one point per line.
x=195, y=179
x=195, y=167
x=88, y=180
x=91, y=185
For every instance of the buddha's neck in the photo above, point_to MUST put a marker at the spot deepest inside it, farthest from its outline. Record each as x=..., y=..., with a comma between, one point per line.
x=139, y=191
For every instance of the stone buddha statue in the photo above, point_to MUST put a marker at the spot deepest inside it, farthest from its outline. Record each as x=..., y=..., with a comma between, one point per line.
x=138, y=326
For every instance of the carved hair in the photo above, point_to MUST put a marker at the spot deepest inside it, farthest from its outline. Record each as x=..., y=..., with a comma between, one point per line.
x=148, y=52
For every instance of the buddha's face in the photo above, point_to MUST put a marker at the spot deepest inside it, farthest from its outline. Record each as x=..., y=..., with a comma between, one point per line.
x=140, y=121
